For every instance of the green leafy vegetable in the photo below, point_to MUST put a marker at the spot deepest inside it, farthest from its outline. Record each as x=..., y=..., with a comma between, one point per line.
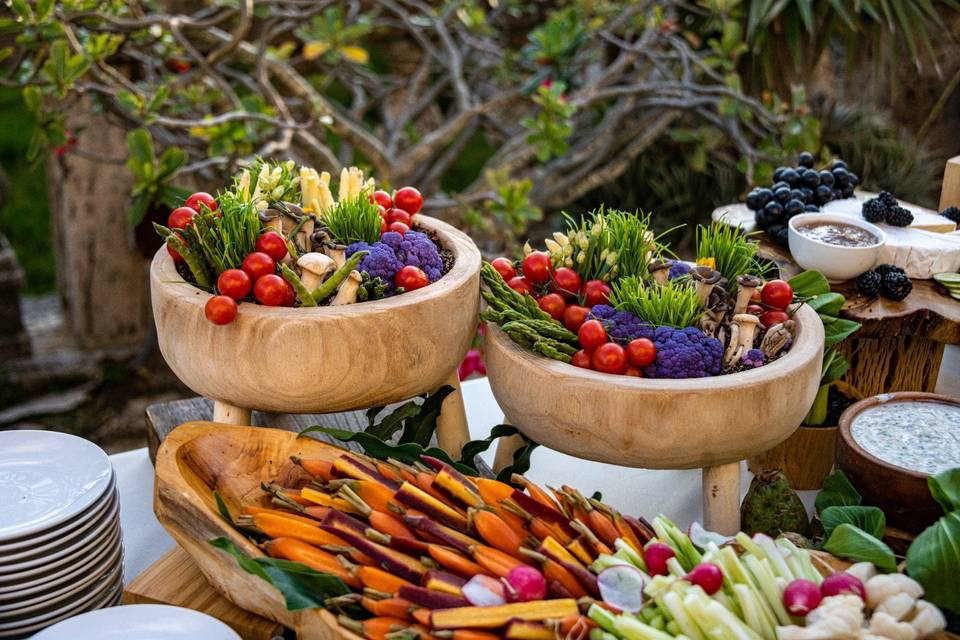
x=869, y=519
x=809, y=284
x=837, y=491
x=945, y=489
x=354, y=220
x=222, y=507
x=934, y=561
x=474, y=448
x=852, y=543
x=421, y=427
x=675, y=304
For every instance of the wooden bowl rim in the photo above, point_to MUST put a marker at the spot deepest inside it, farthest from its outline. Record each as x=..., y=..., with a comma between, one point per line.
x=848, y=416
x=466, y=257
x=808, y=343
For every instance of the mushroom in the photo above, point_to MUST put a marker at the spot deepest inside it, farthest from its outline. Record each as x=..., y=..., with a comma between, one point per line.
x=708, y=325
x=717, y=303
x=747, y=285
x=336, y=251
x=733, y=352
x=271, y=219
x=747, y=323
x=776, y=338
x=292, y=215
x=316, y=266
x=706, y=278
x=347, y=293
x=660, y=270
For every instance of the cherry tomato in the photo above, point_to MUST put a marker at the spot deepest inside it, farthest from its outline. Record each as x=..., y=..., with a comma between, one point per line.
x=291, y=296
x=408, y=199
x=173, y=252
x=201, y=198
x=220, y=309
x=271, y=290
x=641, y=352
x=505, y=268
x=554, y=304
x=234, y=283
x=609, y=358
x=258, y=265
x=399, y=215
x=566, y=281
x=777, y=294
x=770, y=318
x=272, y=244
x=536, y=267
x=592, y=334
x=383, y=226
x=521, y=285
x=755, y=309
x=383, y=199
x=411, y=278
x=181, y=217
x=633, y=371
x=399, y=227
x=582, y=359
x=596, y=292
x=574, y=316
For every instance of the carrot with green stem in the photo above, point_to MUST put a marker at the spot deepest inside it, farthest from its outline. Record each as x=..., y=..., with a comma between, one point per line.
x=373, y=628
x=298, y=551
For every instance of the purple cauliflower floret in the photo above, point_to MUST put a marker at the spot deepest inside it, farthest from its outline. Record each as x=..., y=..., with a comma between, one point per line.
x=381, y=262
x=685, y=353
x=754, y=358
x=621, y=326
x=678, y=269
x=417, y=249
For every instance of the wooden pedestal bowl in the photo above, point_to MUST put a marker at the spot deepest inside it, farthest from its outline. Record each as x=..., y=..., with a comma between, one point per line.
x=712, y=423
x=199, y=458
x=321, y=359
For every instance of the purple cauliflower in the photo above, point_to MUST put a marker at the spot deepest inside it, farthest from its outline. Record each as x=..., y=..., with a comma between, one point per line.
x=754, y=358
x=381, y=262
x=685, y=353
x=417, y=249
x=621, y=326
x=678, y=269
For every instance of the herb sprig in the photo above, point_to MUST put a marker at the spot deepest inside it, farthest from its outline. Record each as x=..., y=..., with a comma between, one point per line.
x=354, y=220
x=732, y=250
x=675, y=304
x=609, y=244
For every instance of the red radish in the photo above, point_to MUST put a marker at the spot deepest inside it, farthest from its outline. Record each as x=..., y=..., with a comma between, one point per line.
x=525, y=584
x=655, y=556
x=483, y=591
x=408, y=199
x=582, y=359
x=505, y=268
x=842, y=583
x=220, y=309
x=181, y=217
x=201, y=198
x=574, y=316
x=596, y=292
x=521, y=285
x=258, y=265
x=399, y=227
x=755, y=309
x=621, y=586
x=536, y=267
x=383, y=199
x=234, y=283
x=707, y=576
x=272, y=244
x=801, y=597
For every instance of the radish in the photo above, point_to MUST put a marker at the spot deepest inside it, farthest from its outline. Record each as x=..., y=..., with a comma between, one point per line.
x=525, y=584
x=801, y=597
x=707, y=576
x=702, y=538
x=484, y=591
x=655, y=556
x=621, y=586
x=842, y=584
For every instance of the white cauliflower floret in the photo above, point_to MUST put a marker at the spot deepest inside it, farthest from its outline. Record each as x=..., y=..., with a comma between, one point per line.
x=896, y=606
x=837, y=618
x=927, y=619
x=863, y=571
x=885, y=625
x=881, y=587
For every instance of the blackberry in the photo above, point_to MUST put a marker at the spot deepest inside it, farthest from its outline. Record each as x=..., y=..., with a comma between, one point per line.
x=896, y=286
x=805, y=159
x=886, y=269
x=837, y=403
x=874, y=210
x=899, y=217
x=887, y=199
x=869, y=284
x=952, y=214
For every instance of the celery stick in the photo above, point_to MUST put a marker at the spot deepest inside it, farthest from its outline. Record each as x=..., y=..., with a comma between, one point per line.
x=658, y=622
x=629, y=554
x=658, y=585
x=751, y=612
x=675, y=568
x=731, y=622
x=649, y=613
x=768, y=587
x=632, y=629
x=602, y=617
x=600, y=634
x=687, y=553
x=673, y=629
x=749, y=546
x=605, y=561
x=775, y=556
x=803, y=557
x=674, y=605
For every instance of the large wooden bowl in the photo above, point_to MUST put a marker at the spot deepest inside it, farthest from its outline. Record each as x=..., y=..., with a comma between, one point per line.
x=321, y=359
x=656, y=424
x=199, y=458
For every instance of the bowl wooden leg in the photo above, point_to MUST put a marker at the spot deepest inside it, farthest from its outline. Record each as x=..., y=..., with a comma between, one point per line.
x=229, y=414
x=452, y=431
x=721, y=498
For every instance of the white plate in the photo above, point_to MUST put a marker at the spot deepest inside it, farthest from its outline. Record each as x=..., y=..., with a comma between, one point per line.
x=111, y=599
x=47, y=478
x=69, y=594
x=140, y=622
x=48, y=535
x=72, y=554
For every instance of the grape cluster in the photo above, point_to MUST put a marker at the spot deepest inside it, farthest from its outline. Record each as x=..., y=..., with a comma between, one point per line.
x=797, y=190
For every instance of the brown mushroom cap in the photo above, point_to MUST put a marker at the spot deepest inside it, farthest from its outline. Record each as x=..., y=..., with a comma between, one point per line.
x=269, y=214
x=746, y=318
x=659, y=265
x=748, y=280
x=706, y=275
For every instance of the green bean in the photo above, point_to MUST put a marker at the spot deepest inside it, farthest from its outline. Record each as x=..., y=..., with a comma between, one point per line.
x=305, y=297
x=330, y=284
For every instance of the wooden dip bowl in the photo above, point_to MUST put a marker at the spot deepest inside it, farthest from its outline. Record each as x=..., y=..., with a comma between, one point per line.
x=901, y=493
x=321, y=359
x=712, y=422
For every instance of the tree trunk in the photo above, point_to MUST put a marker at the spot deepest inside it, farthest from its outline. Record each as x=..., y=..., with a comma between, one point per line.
x=13, y=339
x=101, y=274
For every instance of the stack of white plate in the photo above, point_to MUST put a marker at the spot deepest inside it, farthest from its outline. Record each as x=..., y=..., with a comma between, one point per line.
x=61, y=551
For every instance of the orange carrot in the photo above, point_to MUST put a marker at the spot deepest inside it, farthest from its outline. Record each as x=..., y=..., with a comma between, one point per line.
x=390, y=525
x=379, y=580
x=425, y=482
x=496, y=532
x=555, y=571
x=578, y=625
x=493, y=491
x=422, y=615
x=377, y=496
x=626, y=533
x=423, y=631
x=317, y=559
x=322, y=469
x=494, y=560
x=388, y=471
x=327, y=500
x=536, y=492
x=473, y=634
x=281, y=525
x=391, y=607
x=456, y=563
x=377, y=628
x=294, y=494
x=316, y=512
x=256, y=511
x=601, y=525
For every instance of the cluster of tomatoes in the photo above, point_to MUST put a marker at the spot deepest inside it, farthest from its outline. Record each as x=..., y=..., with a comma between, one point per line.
x=397, y=211
x=599, y=353
x=182, y=216
x=773, y=298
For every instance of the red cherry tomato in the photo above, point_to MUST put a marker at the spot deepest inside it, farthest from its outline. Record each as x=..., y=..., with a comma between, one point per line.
x=755, y=309
x=291, y=295
x=574, y=316
x=582, y=359
x=521, y=285
x=770, y=318
x=408, y=199
x=220, y=309
x=181, y=217
x=633, y=371
x=641, y=352
x=383, y=226
x=173, y=252
x=505, y=268
x=383, y=199
x=234, y=283
x=596, y=292
x=201, y=198
x=271, y=290
x=554, y=304
x=536, y=267
x=592, y=334
x=272, y=244
x=399, y=215
x=609, y=358
x=776, y=294
x=399, y=227
x=411, y=278
x=258, y=265
x=566, y=282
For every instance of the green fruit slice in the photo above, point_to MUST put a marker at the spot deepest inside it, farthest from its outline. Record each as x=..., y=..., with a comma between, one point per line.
x=948, y=279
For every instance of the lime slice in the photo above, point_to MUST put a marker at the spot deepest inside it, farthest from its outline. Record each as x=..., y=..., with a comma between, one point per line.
x=948, y=279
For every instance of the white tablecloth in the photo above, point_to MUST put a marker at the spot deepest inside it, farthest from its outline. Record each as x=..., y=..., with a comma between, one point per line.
x=635, y=491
